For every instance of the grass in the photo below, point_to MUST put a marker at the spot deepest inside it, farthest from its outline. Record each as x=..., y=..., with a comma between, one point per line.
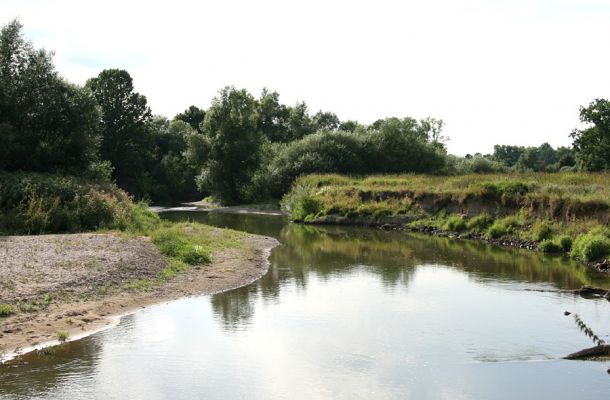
x=6, y=310
x=561, y=212
x=184, y=244
x=62, y=336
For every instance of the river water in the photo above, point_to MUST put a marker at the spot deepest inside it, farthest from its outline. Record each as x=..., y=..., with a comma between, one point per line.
x=346, y=313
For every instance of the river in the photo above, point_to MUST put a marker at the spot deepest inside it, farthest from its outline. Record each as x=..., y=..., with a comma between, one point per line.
x=346, y=313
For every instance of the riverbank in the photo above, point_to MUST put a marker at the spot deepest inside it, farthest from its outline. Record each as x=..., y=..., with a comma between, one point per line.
x=554, y=213
x=64, y=287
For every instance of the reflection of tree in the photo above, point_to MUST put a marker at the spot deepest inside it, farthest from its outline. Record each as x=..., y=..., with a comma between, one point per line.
x=37, y=374
x=235, y=307
x=334, y=251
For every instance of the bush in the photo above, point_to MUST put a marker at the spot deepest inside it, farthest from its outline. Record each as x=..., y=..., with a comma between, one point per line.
x=497, y=230
x=455, y=223
x=591, y=247
x=62, y=336
x=480, y=222
x=172, y=242
x=565, y=242
x=7, y=310
x=32, y=203
x=541, y=230
x=301, y=203
x=548, y=246
x=504, y=226
x=194, y=254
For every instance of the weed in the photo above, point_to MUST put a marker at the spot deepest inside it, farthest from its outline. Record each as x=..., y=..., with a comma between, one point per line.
x=480, y=222
x=7, y=310
x=62, y=336
x=591, y=247
x=455, y=223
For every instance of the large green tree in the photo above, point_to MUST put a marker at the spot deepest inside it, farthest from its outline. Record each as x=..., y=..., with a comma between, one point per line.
x=127, y=140
x=232, y=145
x=193, y=116
x=46, y=124
x=592, y=144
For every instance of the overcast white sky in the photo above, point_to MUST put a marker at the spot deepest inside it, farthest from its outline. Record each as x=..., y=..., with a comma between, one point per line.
x=510, y=72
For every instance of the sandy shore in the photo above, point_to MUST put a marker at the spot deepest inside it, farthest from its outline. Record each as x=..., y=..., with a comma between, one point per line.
x=74, y=273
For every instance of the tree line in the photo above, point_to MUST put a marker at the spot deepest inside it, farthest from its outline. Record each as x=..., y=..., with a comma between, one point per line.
x=241, y=149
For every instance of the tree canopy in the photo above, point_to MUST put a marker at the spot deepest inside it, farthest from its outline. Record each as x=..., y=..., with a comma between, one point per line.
x=592, y=144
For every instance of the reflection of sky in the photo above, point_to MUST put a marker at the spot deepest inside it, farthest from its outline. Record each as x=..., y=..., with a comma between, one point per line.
x=441, y=336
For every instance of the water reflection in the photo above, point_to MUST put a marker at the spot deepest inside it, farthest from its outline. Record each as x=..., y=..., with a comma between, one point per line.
x=325, y=252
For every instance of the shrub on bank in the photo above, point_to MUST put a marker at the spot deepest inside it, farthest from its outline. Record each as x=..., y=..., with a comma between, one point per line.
x=549, y=246
x=591, y=246
x=33, y=203
x=480, y=222
x=455, y=223
x=541, y=230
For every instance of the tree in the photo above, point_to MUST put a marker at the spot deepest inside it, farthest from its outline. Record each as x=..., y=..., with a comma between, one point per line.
x=173, y=177
x=46, y=124
x=273, y=117
x=592, y=144
x=324, y=120
x=127, y=141
x=233, y=145
x=299, y=122
x=507, y=155
x=193, y=116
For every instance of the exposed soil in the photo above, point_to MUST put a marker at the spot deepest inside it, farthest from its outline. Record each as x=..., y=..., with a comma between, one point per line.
x=77, y=282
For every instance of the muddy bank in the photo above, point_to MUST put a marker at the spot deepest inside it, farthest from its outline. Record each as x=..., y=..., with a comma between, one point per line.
x=76, y=283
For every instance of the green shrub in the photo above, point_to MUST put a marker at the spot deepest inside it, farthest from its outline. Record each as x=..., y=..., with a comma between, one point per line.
x=498, y=229
x=480, y=222
x=541, y=230
x=7, y=310
x=35, y=203
x=170, y=242
x=565, y=242
x=548, y=246
x=455, y=223
x=62, y=336
x=194, y=254
x=591, y=247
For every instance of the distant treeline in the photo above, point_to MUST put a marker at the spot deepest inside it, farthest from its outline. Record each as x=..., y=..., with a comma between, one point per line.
x=240, y=149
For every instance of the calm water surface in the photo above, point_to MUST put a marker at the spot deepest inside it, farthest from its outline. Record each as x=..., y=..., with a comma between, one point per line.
x=351, y=314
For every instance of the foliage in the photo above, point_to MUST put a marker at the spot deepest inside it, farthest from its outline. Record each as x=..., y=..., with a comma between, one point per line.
x=127, y=141
x=301, y=205
x=62, y=336
x=32, y=203
x=46, y=124
x=455, y=223
x=541, y=230
x=480, y=222
x=7, y=310
x=174, y=245
x=591, y=246
x=592, y=144
x=549, y=246
x=232, y=144
x=173, y=176
x=193, y=116
x=565, y=243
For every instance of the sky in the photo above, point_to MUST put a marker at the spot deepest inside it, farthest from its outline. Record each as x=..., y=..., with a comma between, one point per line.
x=496, y=72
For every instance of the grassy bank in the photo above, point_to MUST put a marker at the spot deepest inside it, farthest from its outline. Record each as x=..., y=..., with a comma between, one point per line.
x=564, y=212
